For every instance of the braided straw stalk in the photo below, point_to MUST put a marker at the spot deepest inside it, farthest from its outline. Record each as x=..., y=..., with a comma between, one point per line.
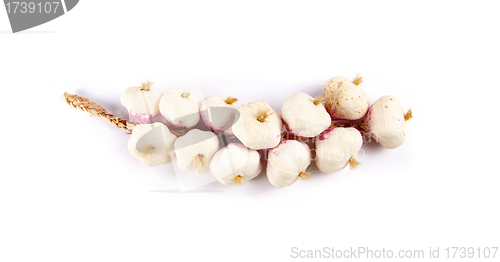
x=83, y=104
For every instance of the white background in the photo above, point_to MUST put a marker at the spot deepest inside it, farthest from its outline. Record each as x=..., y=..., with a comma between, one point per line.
x=70, y=191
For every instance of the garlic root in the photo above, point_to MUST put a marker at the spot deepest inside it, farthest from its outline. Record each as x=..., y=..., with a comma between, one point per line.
x=358, y=80
x=146, y=86
x=199, y=161
x=304, y=175
x=237, y=180
x=408, y=115
x=263, y=115
x=353, y=163
x=318, y=100
x=229, y=100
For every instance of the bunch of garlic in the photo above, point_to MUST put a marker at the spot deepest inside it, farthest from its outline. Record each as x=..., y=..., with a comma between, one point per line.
x=235, y=164
x=287, y=162
x=337, y=147
x=386, y=122
x=180, y=108
x=344, y=100
x=195, y=150
x=305, y=116
x=152, y=144
x=219, y=114
x=142, y=102
x=259, y=126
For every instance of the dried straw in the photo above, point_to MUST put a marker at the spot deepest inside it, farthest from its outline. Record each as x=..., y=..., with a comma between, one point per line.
x=84, y=104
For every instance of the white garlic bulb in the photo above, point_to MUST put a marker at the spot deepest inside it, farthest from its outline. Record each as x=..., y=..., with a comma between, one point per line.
x=195, y=150
x=180, y=108
x=305, y=116
x=287, y=162
x=344, y=100
x=259, y=126
x=235, y=164
x=336, y=147
x=386, y=122
x=219, y=114
x=142, y=102
x=152, y=144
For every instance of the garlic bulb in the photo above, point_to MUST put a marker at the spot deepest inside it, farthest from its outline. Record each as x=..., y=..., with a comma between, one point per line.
x=235, y=164
x=180, y=108
x=259, y=126
x=336, y=147
x=142, y=102
x=305, y=116
x=195, y=150
x=386, y=122
x=152, y=144
x=287, y=162
x=219, y=114
x=344, y=100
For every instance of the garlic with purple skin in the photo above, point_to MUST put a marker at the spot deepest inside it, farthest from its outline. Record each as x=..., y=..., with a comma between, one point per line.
x=259, y=126
x=235, y=164
x=287, y=162
x=305, y=116
x=180, y=108
x=337, y=147
x=344, y=100
x=195, y=150
x=219, y=114
x=386, y=122
x=152, y=144
x=142, y=102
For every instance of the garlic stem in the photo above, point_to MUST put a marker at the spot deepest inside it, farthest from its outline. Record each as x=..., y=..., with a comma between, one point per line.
x=186, y=94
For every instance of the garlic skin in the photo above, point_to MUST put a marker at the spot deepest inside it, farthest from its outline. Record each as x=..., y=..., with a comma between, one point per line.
x=180, y=108
x=259, y=126
x=345, y=101
x=235, y=164
x=142, y=102
x=152, y=144
x=305, y=116
x=219, y=113
x=287, y=162
x=385, y=122
x=195, y=150
x=337, y=147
